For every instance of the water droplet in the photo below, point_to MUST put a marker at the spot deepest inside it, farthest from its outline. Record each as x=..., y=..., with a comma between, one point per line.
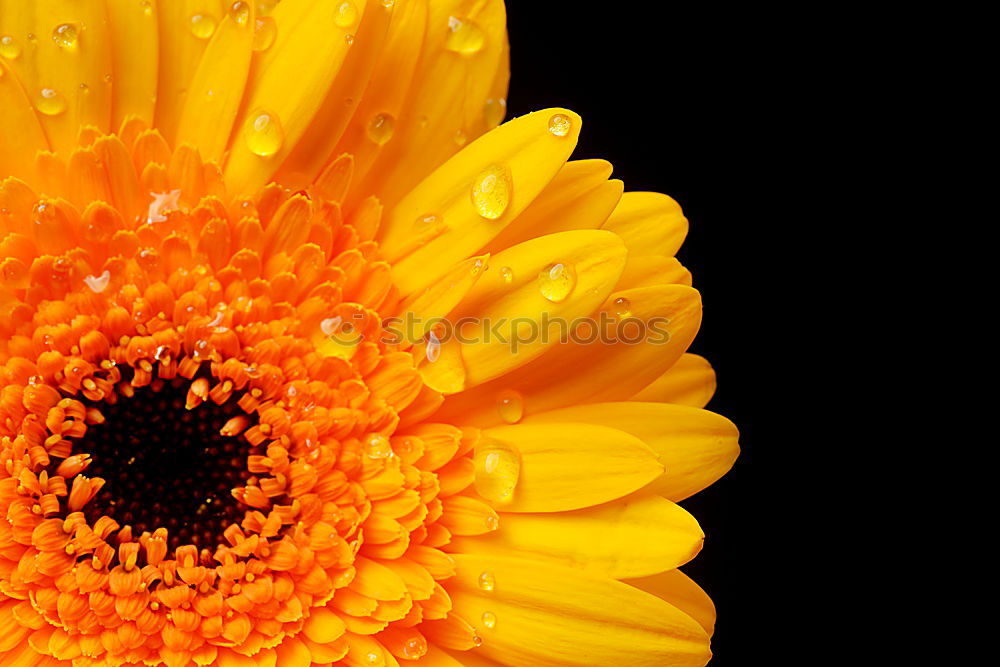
x=240, y=12
x=497, y=470
x=388, y=3
x=425, y=223
x=349, y=38
x=460, y=137
x=202, y=26
x=487, y=581
x=556, y=282
x=623, y=307
x=346, y=15
x=98, y=284
x=507, y=274
x=9, y=47
x=330, y=325
x=491, y=191
x=477, y=640
x=265, y=32
x=489, y=619
x=415, y=647
x=494, y=112
x=65, y=35
x=510, y=405
x=380, y=128
x=147, y=7
x=560, y=125
x=377, y=446
x=464, y=36
x=263, y=133
x=50, y=102
x=433, y=351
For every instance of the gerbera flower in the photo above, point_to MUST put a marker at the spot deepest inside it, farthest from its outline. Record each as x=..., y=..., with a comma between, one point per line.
x=218, y=445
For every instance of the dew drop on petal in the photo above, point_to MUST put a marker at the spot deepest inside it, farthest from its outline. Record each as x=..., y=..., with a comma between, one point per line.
x=556, y=282
x=623, y=307
x=50, y=102
x=510, y=405
x=497, y=470
x=265, y=32
x=491, y=191
x=202, y=26
x=487, y=581
x=560, y=124
x=346, y=15
x=263, y=133
x=98, y=284
x=9, y=47
x=477, y=640
x=377, y=446
x=489, y=619
x=425, y=223
x=388, y=4
x=494, y=112
x=460, y=137
x=240, y=12
x=65, y=35
x=433, y=351
x=507, y=274
x=464, y=36
x=415, y=647
x=380, y=128
x=147, y=7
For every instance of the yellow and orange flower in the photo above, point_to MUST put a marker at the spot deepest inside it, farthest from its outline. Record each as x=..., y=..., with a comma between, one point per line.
x=213, y=453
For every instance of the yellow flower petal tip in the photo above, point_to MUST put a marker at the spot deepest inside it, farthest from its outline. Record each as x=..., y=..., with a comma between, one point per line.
x=308, y=359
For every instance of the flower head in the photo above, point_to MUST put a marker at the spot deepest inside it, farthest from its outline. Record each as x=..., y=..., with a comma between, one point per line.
x=305, y=359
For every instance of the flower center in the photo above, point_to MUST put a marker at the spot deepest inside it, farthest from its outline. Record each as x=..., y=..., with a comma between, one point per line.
x=168, y=466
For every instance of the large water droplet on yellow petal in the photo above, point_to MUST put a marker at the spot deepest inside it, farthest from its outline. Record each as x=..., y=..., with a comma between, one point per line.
x=346, y=15
x=380, y=128
x=494, y=112
x=497, y=470
x=489, y=619
x=202, y=26
x=464, y=36
x=556, y=282
x=560, y=125
x=10, y=48
x=378, y=447
x=50, y=102
x=65, y=35
x=487, y=581
x=510, y=405
x=265, y=32
x=263, y=133
x=623, y=307
x=491, y=191
x=240, y=12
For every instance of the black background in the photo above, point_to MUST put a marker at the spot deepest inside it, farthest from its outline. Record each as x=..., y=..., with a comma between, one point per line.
x=685, y=105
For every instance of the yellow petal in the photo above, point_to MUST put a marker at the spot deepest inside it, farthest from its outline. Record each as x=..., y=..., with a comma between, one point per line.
x=547, y=615
x=579, y=197
x=682, y=592
x=288, y=84
x=650, y=270
x=514, y=321
x=214, y=94
x=650, y=223
x=696, y=447
x=631, y=537
x=184, y=29
x=447, y=94
x=511, y=164
x=135, y=58
x=64, y=64
x=578, y=372
x=322, y=137
x=568, y=466
x=691, y=381
x=440, y=298
x=21, y=134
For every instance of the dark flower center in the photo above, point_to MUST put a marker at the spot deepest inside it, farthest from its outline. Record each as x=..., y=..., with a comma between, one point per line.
x=167, y=466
